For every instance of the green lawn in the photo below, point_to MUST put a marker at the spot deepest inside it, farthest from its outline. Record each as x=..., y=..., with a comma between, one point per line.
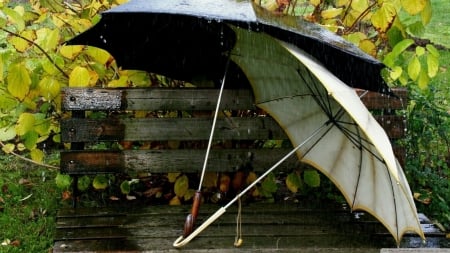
x=438, y=31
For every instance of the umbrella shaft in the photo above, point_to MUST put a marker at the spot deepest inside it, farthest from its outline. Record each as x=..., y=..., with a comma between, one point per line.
x=216, y=112
x=276, y=165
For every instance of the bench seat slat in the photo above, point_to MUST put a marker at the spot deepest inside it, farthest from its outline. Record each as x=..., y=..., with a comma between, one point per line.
x=163, y=161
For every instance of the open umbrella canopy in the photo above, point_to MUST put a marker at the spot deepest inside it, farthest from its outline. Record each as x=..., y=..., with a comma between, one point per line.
x=189, y=40
x=308, y=93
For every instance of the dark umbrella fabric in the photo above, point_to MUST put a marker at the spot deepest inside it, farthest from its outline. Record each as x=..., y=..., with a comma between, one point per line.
x=190, y=40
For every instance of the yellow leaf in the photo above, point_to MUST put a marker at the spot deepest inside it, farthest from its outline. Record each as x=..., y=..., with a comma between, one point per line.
x=382, y=18
x=19, y=81
x=413, y=7
x=47, y=38
x=210, y=180
x=25, y=123
x=359, y=5
x=175, y=201
x=432, y=64
x=414, y=68
x=100, y=182
x=173, y=176
x=8, y=148
x=270, y=5
x=355, y=37
x=49, y=88
x=15, y=18
x=1, y=68
x=70, y=52
x=251, y=177
x=79, y=77
x=20, y=44
x=181, y=186
x=331, y=13
x=189, y=194
x=119, y=83
x=293, y=182
x=396, y=72
x=368, y=47
x=426, y=13
x=340, y=3
x=37, y=155
x=423, y=80
x=99, y=55
x=315, y=2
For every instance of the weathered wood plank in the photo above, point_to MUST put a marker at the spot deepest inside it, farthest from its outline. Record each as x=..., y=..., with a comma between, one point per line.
x=154, y=99
x=307, y=244
x=161, y=129
x=378, y=101
x=163, y=161
x=393, y=125
x=153, y=228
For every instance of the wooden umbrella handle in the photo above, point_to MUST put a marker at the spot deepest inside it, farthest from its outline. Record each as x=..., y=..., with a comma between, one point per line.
x=190, y=219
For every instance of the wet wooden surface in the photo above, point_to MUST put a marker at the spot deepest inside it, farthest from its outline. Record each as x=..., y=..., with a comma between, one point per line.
x=266, y=228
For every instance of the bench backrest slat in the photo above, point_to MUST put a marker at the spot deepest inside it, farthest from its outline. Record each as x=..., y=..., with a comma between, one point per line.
x=181, y=139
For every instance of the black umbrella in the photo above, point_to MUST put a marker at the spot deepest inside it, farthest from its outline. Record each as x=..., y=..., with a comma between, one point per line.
x=190, y=40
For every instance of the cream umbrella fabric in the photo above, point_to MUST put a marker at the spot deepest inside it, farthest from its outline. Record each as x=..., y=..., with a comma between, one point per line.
x=353, y=150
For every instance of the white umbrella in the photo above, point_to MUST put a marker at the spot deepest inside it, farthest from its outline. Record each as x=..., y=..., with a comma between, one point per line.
x=331, y=129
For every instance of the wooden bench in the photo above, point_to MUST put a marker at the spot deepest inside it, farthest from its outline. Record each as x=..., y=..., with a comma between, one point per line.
x=175, y=131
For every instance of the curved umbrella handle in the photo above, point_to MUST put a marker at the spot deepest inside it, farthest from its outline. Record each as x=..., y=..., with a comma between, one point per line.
x=181, y=241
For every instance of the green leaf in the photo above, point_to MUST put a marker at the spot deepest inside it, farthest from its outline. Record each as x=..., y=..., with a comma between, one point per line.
x=83, y=183
x=37, y=155
x=15, y=18
x=19, y=81
x=420, y=51
x=42, y=125
x=294, y=182
x=269, y=184
x=414, y=68
x=3, y=19
x=125, y=187
x=25, y=123
x=413, y=7
x=7, y=133
x=311, y=177
x=433, y=65
x=30, y=139
x=416, y=29
x=181, y=186
x=100, y=182
x=63, y=181
x=432, y=50
x=402, y=46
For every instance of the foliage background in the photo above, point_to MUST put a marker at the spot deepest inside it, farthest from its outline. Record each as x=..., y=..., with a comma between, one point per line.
x=35, y=65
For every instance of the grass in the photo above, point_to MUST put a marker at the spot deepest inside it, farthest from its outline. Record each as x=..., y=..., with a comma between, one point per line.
x=438, y=31
x=28, y=204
